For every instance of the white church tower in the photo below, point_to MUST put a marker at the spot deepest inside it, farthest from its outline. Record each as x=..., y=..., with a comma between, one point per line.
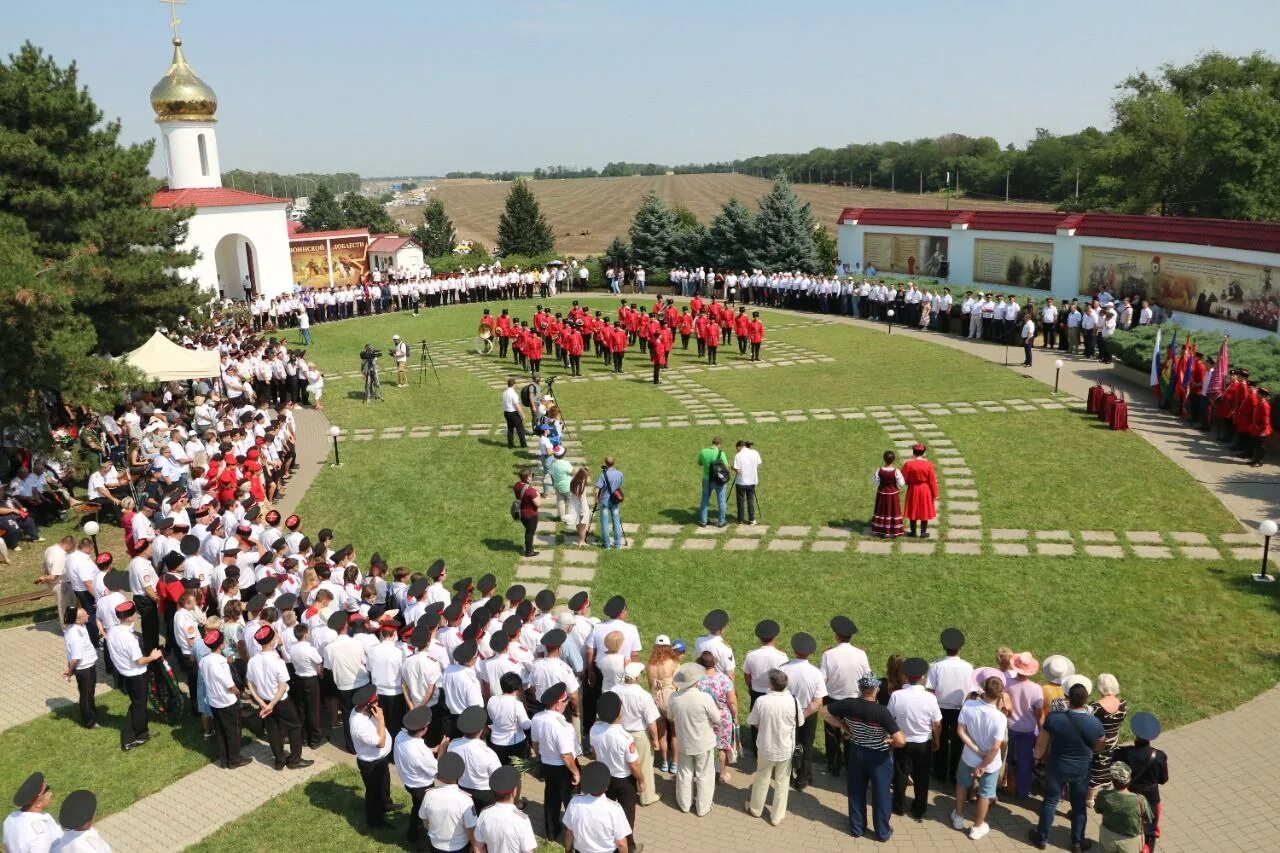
x=241, y=239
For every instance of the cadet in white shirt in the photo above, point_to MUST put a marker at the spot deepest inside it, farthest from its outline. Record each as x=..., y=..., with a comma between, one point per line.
x=373, y=751
x=224, y=699
x=950, y=679
x=460, y=686
x=28, y=828
x=344, y=657
x=447, y=811
x=82, y=663
x=639, y=719
x=502, y=827
x=594, y=823
x=131, y=667
x=76, y=817
x=616, y=750
x=307, y=669
x=385, y=661
x=479, y=758
x=268, y=681
x=775, y=717
x=556, y=742
x=842, y=665
x=809, y=687
x=415, y=765
x=916, y=712
x=715, y=623
x=508, y=719
x=758, y=662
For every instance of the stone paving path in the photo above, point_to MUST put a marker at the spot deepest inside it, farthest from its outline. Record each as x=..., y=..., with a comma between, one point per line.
x=33, y=656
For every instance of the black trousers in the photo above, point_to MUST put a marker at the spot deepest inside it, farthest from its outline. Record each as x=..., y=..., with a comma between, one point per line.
x=416, y=832
x=558, y=790
x=393, y=711
x=226, y=722
x=625, y=793
x=188, y=665
x=912, y=762
x=711, y=354
x=149, y=617
x=86, y=685
x=283, y=723
x=803, y=769
x=947, y=757
x=590, y=696
x=1048, y=330
x=305, y=692
x=575, y=365
x=530, y=528
x=617, y=362
x=755, y=352
x=515, y=429
x=657, y=374
x=746, y=496
x=85, y=599
x=742, y=345
x=482, y=798
x=684, y=340
x=377, y=789
x=755, y=730
x=134, y=724
x=507, y=752
x=833, y=738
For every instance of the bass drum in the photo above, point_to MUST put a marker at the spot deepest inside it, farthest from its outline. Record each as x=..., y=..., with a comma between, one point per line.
x=483, y=345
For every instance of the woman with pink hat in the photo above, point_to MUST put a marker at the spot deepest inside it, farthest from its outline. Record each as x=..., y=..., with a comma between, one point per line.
x=1026, y=699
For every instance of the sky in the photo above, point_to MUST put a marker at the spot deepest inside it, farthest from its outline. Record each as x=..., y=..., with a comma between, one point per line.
x=407, y=87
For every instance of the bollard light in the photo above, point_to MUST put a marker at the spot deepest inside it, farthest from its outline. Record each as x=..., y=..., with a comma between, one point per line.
x=91, y=529
x=890, y=316
x=334, y=432
x=1267, y=529
x=1057, y=374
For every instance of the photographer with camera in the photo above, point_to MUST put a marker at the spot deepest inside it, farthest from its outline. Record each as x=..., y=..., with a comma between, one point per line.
x=369, y=369
x=400, y=352
x=609, y=501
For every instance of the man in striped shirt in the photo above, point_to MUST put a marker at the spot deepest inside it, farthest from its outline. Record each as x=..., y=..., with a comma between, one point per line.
x=872, y=734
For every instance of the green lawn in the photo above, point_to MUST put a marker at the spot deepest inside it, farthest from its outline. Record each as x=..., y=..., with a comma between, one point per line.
x=327, y=810
x=73, y=757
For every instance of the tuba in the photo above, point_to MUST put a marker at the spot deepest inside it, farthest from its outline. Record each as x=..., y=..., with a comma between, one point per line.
x=484, y=332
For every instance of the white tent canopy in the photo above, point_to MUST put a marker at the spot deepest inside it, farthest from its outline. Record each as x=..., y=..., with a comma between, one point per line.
x=164, y=361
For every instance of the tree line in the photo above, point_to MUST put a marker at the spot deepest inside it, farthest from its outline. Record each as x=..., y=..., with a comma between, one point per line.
x=290, y=186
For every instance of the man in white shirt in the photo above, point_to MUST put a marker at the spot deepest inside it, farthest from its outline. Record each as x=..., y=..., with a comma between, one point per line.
x=842, y=665
x=344, y=657
x=55, y=572
x=746, y=470
x=593, y=822
x=268, y=681
x=614, y=748
x=715, y=622
x=478, y=757
x=556, y=742
x=1049, y=323
x=502, y=827
x=809, y=686
x=758, y=662
x=447, y=811
x=224, y=700
x=774, y=718
x=131, y=667
x=415, y=765
x=29, y=828
x=984, y=729
x=916, y=712
x=385, y=661
x=950, y=679
x=373, y=745
x=639, y=720
x=1028, y=338
x=308, y=667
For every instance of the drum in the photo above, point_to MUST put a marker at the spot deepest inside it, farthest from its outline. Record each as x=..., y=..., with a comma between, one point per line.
x=483, y=344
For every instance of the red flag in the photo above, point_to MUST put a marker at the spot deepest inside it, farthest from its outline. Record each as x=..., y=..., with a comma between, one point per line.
x=1218, y=382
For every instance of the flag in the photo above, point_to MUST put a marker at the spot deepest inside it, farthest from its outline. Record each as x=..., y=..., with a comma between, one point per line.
x=1169, y=363
x=1218, y=382
x=1155, y=365
x=1188, y=366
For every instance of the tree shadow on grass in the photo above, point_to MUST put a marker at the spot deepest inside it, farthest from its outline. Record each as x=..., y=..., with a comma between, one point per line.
x=680, y=516
x=502, y=545
x=347, y=802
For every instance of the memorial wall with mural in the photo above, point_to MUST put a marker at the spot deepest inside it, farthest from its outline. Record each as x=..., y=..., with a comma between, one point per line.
x=1016, y=263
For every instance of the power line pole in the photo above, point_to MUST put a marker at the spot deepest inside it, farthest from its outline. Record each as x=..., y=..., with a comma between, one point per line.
x=1006, y=186
x=893, y=181
x=922, y=183
x=1077, y=184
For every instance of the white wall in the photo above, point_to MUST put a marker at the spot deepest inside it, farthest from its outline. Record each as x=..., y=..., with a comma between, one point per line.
x=263, y=225
x=182, y=155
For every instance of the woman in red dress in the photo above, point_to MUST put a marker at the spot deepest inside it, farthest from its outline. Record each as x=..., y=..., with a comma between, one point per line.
x=886, y=521
x=922, y=491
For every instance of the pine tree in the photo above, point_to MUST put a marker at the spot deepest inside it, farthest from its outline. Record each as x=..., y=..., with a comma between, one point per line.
x=784, y=232
x=616, y=255
x=523, y=230
x=827, y=248
x=653, y=233
x=83, y=196
x=323, y=211
x=731, y=237
x=436, y=234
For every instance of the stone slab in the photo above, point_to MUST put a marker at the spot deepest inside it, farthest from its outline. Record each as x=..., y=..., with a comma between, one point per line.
x=785, y=544
x=909, y=547
x=698, y=544
x=1187, y=538
x=748, y=530
x=1008, y=533
x=1113, y=552
x=1053, y=535
x=793, y=530
x=962, y=506
x=875, y=546
x=564, y=592
x=962, y=493
x=1055, y=549
x=968, y=533
x=1200, y=552
x=742, y=544
x=965, y=548
x=1240, y=538
x=660, y=543
x=965, y=520
x=579, y=556
x=665, y=529
x=534, y=571
x=1146, y=537
x=1010, y=549
x=1152, y=552
x=826, y=545
x=833, y=533
x=1253, y=553
x=1097, y=535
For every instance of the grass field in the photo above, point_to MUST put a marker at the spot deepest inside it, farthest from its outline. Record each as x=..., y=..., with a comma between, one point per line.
x=586, y=213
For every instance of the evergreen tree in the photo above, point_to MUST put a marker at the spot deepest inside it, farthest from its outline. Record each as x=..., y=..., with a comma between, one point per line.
x=784, y=232
x=827, y=248
x=731, y=237
x=81, y=195
x=690, y=245
x=323, y=213
x=616, y=255
x=360, y=211
x=523, y=230
x=436, y=234
x=653, y=233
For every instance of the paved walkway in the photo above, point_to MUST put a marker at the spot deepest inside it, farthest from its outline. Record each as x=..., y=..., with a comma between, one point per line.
x=34, y=656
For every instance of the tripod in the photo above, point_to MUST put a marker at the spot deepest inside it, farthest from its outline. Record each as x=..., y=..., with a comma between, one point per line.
x=424, y=356
x=372, y=385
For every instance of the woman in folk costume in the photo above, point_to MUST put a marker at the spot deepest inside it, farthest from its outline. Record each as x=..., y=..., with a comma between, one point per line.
x=886, y=521
x=922, y=491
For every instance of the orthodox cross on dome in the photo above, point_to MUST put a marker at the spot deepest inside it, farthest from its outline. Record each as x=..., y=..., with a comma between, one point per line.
x=173, y=14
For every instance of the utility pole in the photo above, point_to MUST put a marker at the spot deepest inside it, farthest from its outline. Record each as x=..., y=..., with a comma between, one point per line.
x=869, y=184
x=1006, y=186
x=922, y=183
x=1077, y=184
x=893, y=181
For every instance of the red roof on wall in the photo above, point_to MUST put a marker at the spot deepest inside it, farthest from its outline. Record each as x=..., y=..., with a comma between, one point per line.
x=210, y=197
x=1227, y=233
x=390, y=243
x=318, y=235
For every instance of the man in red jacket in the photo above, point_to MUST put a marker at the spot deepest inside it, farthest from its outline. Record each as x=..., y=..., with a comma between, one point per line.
x=1261, y=427
x=619, y=339
x=658, y=349
x=740, y=328
x=685, y=323
x=711, y=337
x=700, y=332
x=755, y=333
x=573, y=348
x=1244, y=419
x=922, y=492
x=533, y=351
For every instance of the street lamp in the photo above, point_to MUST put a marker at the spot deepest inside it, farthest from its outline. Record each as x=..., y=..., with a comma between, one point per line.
x=91, y=528
x=334, y=432
x=1267, y=529
x=890, y=316
x=1057, y=374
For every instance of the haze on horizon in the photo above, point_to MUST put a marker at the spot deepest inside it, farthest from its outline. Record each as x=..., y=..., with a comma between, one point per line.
x=401, y=88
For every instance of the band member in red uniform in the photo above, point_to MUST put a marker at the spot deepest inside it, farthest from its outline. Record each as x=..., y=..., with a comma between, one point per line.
x=711, y=337
x=740, y=328
x=1244, y=418
x=695, y=305
x=726, y=325
x=700, y=331
x=922, y=491
x=1261, y=427
x=1225, y=405
x=755, y=332
x=505, y=333
x=489, y=321
x=658, y=349
x=533, y=351
x=573, y=350
x=685, y=324
x=619, y=339
x=886, y=520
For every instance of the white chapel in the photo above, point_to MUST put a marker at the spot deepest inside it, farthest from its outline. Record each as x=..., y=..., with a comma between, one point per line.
x=242, y=238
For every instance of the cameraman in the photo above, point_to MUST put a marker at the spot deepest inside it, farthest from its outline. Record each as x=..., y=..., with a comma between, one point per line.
x=369, y=368
x=400, y=352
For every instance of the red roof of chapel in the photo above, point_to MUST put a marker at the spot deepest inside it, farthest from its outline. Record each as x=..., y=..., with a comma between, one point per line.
x=210, y=197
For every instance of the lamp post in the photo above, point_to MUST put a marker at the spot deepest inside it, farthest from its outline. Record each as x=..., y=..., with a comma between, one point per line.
x=91, y=529
x=1057, y=374
x=1267, y=529
x=334, y=432
x=889, y=314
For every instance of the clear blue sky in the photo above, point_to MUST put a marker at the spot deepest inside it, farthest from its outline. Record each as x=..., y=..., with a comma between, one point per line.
x=428, y=86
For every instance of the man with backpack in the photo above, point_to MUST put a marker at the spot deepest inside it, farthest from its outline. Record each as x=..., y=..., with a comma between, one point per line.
x=715, y=477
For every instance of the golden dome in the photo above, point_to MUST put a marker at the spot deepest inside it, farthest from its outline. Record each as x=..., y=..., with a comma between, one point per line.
x=180, y=94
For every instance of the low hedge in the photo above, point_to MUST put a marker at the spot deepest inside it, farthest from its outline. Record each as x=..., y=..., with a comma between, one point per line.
x=1261, y=357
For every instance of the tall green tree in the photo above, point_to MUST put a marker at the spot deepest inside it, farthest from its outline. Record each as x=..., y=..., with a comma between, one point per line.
x=323, y=213
x=617, y=254
x=653, y=233
x=360, y=211
x=1201, y=139
x=827, y=248
x=81, y=194
x=436, y=234
x=523, y=230
x=784, y=232
x=731, y=237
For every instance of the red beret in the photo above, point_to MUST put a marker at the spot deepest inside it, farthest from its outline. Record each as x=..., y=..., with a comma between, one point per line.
x=103, y=559
x=264, y=634
x=125, y=609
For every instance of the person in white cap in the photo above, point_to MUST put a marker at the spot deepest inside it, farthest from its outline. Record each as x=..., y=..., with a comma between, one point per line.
x=400, y=352
x=640, y=720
